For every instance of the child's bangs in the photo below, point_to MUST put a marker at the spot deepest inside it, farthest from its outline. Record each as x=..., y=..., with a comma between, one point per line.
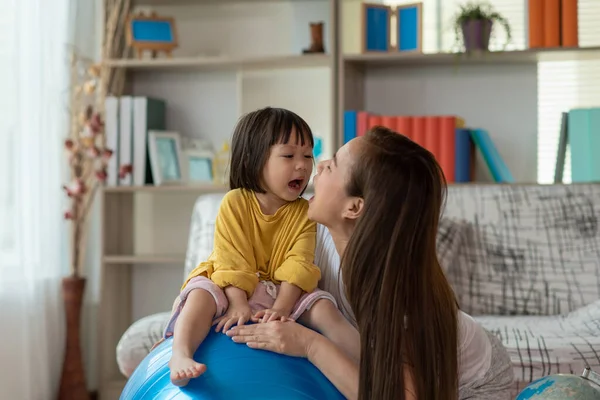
x=285, y=126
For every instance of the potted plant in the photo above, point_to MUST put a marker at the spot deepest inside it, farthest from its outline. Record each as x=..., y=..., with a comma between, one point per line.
x=474, y=22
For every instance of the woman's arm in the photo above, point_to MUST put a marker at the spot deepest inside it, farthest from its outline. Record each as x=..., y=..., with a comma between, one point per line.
x=341, y=371
x=295, y=340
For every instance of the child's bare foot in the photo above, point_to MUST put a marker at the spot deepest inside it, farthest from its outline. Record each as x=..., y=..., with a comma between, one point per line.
x=183, y=369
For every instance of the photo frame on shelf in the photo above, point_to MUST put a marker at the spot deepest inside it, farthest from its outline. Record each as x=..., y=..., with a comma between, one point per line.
x=151, y=33
x=198, y=166
x=376, y=26
x=409, y=21
x=164, y=149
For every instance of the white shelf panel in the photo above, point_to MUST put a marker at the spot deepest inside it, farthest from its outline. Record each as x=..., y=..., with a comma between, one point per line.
x=529, y=56
x=208, y=188
x=203, y=2
x=144, y=259
x=224, y=63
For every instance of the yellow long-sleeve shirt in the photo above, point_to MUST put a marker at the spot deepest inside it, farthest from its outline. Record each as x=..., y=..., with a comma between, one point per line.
x=250, y=246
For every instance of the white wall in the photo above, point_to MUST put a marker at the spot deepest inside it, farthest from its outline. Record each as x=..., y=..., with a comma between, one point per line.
x=306, y=92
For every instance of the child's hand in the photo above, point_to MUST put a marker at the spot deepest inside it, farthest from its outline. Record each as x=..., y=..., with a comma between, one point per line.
x=236, y=314
x=271, y=314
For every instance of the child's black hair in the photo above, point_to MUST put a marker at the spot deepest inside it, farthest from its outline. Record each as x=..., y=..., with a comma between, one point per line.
x=252, y=139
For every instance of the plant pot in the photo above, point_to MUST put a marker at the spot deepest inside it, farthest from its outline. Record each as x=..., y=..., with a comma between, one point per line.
x=72, y=380
x=476, y=34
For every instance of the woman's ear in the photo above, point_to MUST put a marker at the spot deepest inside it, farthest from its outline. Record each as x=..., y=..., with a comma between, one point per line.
x=354, y=208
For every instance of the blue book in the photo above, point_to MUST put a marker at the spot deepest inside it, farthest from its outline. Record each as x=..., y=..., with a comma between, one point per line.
x=594, y=136
x=349, y=125
x=409, y=27
x=493, y=159
x=463, y=162
x=376, y=20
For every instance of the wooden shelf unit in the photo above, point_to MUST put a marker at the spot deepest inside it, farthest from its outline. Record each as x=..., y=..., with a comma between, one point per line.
x=260, y=65
x=352, y=79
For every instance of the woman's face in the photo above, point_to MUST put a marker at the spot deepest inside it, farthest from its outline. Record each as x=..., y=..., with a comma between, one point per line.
x=330, y=204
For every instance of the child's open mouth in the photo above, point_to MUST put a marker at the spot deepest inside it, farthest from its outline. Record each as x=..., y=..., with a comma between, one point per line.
x=296, y=184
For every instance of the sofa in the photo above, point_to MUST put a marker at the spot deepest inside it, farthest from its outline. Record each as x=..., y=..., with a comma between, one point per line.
x=524, y=260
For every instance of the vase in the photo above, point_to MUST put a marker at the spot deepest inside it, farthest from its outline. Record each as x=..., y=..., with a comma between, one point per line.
x=72, y=381
x=476, y=34
x=316, y=39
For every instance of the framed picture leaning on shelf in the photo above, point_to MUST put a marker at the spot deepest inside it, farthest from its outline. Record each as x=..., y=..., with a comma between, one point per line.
x=166, y=157
x=198, y=166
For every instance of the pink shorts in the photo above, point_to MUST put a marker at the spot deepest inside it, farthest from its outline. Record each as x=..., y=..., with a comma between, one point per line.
x=263, y=298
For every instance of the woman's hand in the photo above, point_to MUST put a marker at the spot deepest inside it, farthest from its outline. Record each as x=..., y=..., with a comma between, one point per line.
x=289, y=338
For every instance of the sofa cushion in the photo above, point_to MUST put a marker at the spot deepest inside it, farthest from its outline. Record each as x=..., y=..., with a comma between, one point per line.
x=526, y=249
x=545, y=345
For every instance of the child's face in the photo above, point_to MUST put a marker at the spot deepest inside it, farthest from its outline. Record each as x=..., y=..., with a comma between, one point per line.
x=288, y=168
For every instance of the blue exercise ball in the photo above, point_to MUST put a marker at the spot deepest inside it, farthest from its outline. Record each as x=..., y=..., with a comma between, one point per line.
x=234, y=371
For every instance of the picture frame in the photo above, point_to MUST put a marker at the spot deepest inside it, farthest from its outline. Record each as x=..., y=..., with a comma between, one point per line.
x=151, y=33
x=164, y=149
x=409, y=28
x=376, y=27
x=198, y=166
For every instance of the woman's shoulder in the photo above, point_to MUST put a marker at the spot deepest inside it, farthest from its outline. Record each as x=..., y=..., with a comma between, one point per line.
x=474, y=349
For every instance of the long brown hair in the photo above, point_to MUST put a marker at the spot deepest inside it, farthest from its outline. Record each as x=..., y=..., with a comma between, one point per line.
x=405, y=309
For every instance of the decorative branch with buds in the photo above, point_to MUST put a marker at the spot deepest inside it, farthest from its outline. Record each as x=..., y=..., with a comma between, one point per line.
x=87, y=153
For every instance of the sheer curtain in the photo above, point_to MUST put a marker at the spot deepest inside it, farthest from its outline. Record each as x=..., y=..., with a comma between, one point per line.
x=33, y=116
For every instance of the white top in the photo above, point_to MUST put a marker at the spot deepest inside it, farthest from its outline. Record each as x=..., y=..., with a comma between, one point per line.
x=474, y=350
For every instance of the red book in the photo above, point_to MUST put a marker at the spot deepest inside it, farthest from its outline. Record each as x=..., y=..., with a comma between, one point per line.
x=404, y=126
x=389, y=122
x=535, y=16
x=569, y=23
x=552, y=23
x=432, y=135
x=447, y=147
x=418, y=130
x=362, y=123
x=373, y=121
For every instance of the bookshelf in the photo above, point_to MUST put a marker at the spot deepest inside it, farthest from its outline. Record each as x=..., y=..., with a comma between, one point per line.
x=145, y=228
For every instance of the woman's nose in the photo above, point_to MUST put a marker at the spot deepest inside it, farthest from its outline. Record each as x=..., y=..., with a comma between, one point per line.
x=320, y=166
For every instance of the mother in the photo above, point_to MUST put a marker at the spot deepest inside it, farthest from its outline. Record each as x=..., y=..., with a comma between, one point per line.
x=381, y=197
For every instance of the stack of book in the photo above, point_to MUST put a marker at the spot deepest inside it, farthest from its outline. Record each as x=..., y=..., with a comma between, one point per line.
x=451, y=142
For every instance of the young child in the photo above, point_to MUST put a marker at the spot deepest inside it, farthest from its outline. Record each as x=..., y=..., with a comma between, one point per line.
x=261, y=268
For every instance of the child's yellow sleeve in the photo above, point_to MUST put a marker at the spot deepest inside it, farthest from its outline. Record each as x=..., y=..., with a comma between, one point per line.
x=232, y=261
x=298, y=268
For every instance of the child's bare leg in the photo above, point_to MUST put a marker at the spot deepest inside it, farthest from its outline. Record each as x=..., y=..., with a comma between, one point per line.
x=324, y=317
x=191, y=328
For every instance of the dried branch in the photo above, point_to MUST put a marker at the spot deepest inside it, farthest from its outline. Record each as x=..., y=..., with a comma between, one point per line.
x=86, y=144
